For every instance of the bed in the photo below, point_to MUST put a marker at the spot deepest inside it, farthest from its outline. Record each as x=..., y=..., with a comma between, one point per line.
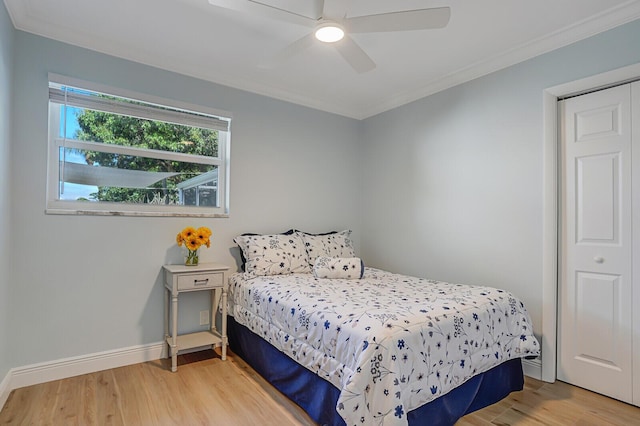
x=357, y=345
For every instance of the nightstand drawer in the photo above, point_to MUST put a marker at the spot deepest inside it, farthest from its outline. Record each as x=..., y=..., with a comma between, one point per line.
x=199, y=281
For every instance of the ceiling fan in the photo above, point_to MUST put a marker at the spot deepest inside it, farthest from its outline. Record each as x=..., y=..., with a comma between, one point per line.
x=331, y=25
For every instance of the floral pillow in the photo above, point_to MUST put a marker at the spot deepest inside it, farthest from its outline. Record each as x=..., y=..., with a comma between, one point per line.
x=333, y=244
x=243, y=258
x=348, y=268
x=278, y=254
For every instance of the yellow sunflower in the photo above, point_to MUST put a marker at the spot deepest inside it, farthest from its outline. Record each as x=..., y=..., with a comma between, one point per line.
x=192, y=243
x=204, y=231
x=188, y=232
x=202, y=235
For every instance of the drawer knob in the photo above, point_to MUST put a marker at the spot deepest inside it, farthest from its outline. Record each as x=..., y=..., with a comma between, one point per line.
x=200, y=282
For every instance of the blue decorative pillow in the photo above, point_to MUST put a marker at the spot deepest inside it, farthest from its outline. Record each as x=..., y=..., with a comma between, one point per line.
x=333, y=244
x=278, y=254
x=348, y=268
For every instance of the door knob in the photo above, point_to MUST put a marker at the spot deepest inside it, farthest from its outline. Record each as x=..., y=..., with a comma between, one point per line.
x=598, y=259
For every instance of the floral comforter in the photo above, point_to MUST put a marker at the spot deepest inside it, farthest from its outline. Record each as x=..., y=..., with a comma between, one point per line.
x=389, y=342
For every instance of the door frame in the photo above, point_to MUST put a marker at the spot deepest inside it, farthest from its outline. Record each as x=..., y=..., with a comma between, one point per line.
x=550, y=202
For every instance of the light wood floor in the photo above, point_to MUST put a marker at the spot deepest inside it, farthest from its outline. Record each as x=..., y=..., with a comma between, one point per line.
x=208, y=391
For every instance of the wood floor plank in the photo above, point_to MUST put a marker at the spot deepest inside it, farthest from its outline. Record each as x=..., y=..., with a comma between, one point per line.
x=209, y=391
x=558, y=403
x=69, y=401
x=23, y=405
x=108, y=410
x=135, y=388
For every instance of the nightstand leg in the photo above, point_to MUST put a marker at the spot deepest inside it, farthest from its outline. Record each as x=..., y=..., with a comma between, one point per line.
x=215, y=305
x=174, y=333
x=225, y=340
x=166, y=318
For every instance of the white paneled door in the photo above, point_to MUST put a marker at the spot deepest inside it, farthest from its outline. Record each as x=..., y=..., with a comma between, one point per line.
x=596, y=259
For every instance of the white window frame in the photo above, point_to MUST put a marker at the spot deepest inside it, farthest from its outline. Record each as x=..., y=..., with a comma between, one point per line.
x=57, y=206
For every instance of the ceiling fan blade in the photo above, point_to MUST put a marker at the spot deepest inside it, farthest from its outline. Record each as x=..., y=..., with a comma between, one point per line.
x=352, y=53
x=262, y=9
x=420, y=19
x=334, y=9
x=290, y=51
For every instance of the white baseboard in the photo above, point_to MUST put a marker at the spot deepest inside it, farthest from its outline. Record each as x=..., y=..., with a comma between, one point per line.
x=532, y=368
x=4, y=389
x=68, y=367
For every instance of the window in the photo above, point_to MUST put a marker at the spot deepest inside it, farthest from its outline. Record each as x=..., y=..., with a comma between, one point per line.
x=119, y=153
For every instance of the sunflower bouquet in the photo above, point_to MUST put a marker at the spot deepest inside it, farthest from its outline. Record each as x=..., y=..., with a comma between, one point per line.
x=193, y=239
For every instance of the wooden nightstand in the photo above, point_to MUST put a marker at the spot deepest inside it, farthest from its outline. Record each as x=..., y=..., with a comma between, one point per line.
x=179, y=279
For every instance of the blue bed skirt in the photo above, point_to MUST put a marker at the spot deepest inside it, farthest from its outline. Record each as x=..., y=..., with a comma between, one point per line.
x=318, y=397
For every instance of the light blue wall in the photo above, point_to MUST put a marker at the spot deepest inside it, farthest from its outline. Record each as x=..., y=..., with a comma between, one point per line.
x=86, y=284
x=461, y=196
x=448, y=187
x=6, y=66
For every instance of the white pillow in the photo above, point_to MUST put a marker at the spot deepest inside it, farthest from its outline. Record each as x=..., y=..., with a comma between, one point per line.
x=277, y=254
x=334, y=244
x=348, y=268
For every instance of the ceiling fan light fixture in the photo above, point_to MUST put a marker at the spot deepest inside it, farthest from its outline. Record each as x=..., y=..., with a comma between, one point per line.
x=329, y=32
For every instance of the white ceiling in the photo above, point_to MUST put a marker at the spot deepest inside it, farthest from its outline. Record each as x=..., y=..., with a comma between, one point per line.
x=195, y=38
